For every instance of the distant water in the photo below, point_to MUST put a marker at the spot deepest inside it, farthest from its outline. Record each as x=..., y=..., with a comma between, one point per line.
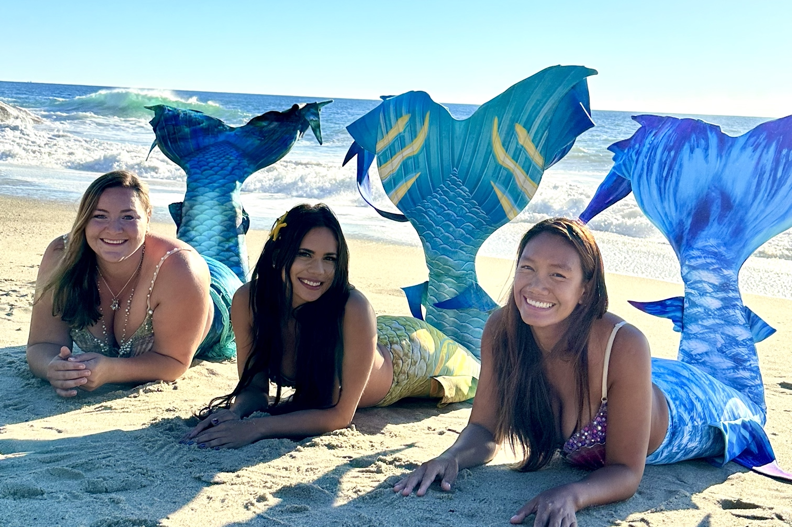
x=63, y=136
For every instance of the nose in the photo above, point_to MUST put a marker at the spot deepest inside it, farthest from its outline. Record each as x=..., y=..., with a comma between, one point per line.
x=116, y=226
x=319, y=266
x=537, y=283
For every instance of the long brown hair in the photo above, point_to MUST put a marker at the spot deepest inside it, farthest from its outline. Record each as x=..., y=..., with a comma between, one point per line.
x=524, y=394
x=75, y=297
x=318, y=323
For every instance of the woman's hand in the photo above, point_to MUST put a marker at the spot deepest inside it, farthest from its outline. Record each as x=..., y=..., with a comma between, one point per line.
x=223, y=429
x=445, y=467
x=98, y=368
x=65, y=373
x=554, y=507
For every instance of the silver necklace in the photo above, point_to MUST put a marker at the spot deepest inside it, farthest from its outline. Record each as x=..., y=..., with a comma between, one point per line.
x=106, y=346
x=114, y=303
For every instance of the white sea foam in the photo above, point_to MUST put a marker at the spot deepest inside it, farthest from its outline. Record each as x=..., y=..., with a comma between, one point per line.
x=54, y=142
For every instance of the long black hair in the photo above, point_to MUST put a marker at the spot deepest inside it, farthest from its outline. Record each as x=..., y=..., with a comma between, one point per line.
x=524, y=394
x=318, y=328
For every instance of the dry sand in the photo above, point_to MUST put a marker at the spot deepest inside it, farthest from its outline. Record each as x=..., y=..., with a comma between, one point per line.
x=111, y=457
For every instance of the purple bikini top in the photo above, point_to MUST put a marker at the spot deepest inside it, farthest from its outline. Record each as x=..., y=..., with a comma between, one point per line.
x=586, y=447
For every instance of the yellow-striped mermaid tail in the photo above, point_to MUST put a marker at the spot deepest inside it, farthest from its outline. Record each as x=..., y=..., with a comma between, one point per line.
x=426, y=363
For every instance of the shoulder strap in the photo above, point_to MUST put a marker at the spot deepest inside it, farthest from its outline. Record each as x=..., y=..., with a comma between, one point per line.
x=156, y=272
x=607, y=360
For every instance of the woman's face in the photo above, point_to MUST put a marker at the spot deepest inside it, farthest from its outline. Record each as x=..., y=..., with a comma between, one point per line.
x=117, y=227
x=314, y=267
x=548, y=282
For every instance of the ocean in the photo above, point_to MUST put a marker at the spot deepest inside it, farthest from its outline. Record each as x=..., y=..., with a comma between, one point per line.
x=60, y=137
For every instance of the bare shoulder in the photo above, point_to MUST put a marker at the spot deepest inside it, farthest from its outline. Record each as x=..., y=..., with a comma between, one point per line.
x=180, y=267
x=357, y=306
x=242, y=297
x=630, y=346
x=52, y=255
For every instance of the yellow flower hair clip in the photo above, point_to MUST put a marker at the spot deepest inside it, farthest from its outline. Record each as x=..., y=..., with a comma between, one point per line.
x=280, y=224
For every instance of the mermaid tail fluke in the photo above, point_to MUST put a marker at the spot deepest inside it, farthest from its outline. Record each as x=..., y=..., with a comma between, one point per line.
x=218, y=159
x=457, y=181
x=716, y=198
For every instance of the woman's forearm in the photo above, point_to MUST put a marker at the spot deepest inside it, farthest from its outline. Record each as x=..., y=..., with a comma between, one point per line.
x=309, y=422
x=475, y=446
x=39, y=356
x=608, y=484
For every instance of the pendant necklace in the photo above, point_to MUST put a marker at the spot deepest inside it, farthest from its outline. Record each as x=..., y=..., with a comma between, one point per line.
x=114, y=304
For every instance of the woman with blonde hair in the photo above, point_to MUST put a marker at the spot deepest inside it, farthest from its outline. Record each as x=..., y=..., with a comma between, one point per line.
x=139, y=305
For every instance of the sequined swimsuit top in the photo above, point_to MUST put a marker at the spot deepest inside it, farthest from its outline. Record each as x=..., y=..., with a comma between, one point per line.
x=586, y=447
x=140, y=342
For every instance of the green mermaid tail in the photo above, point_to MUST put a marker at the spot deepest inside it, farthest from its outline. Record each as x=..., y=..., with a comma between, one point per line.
x=426, y=363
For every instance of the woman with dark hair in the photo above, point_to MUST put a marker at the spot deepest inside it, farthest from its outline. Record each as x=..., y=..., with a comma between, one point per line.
x=300, y=324
x=561, y=372
x=85, y=295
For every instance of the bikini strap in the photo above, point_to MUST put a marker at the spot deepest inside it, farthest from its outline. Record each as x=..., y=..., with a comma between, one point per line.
x=156, y=272
x=607, y=361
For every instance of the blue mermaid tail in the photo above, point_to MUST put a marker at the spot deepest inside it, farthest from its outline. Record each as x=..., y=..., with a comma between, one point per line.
x=716, y=198
x=459, y=181
x=218, y=159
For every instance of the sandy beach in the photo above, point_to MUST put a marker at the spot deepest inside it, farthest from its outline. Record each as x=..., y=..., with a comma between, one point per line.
x=112, y=457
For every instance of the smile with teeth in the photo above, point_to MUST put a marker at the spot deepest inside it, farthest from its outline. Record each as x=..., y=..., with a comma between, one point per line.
x=113, y=242
x=310, y=283
x=538, y=304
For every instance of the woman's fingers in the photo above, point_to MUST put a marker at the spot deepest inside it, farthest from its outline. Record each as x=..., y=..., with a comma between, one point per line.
x=424, y=476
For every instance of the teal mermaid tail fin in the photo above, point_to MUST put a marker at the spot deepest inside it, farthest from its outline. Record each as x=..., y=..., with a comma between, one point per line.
x=457, y=181
x=218, y=159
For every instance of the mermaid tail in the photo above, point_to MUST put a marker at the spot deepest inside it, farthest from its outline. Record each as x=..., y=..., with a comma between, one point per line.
x=716, y=198
x=219, y=344
x=218, y=159
x=459, y=181
x=426, y=363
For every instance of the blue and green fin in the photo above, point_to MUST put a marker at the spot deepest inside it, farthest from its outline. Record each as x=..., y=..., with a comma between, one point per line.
x=473, y=296
x=265, y=139
x=499, y=153
x=674, y=309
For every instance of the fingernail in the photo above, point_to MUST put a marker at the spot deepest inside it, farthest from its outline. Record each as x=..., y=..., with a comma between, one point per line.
x=201, y=446
x=182, y=442
x=215, y=421
x=216, y=448
x=191, y=442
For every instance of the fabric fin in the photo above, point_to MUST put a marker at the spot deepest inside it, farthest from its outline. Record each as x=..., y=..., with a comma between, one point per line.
x=452, y=389
x=759, y=328
x=473, y=296
x=244, y=225
x=416, y=296
x=672, y=308
x=364, y=161
x=773, y=470
x=612, y=189
x=175, y=210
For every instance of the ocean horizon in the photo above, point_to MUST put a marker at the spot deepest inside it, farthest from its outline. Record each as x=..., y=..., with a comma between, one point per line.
x=58, y=138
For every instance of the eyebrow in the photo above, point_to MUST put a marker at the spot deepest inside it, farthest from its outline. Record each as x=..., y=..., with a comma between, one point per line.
x=311, y=251
x=556, y=265
x=121, y=211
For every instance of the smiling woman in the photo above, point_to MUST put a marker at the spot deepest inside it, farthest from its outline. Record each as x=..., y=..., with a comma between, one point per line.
x=300, y=324
x=86, y=290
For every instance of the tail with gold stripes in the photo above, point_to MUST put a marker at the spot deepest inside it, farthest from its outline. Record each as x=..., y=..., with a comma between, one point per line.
x=457, y=181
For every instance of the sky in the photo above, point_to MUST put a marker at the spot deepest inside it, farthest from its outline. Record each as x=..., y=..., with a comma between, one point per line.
x=701, y=57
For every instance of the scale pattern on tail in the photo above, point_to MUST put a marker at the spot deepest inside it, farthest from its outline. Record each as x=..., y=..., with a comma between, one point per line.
x=218, y=159
x=716, y=198
x=458, y=181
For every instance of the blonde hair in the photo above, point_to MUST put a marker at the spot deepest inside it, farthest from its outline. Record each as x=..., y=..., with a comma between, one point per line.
x=75, y=297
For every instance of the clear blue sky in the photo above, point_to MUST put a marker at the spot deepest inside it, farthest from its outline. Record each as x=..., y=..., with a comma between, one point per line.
x=706, y=57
